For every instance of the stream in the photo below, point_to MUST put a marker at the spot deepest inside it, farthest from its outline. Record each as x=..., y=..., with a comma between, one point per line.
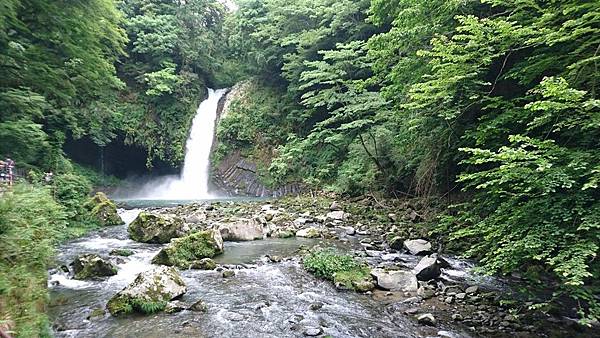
x=263, y=299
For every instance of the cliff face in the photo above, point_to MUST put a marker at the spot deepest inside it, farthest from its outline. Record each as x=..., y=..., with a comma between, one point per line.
x=236, y=174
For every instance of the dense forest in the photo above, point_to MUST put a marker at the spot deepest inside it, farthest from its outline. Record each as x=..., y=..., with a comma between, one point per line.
x=489, y=106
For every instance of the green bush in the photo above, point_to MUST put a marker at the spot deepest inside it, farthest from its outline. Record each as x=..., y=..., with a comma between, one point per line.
x=72, y=191
x=31, y=222
x=338, y=268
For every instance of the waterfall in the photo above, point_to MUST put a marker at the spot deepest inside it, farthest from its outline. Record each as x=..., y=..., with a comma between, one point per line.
x=192, y=183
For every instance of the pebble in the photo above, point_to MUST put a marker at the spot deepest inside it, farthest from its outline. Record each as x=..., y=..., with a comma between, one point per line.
x=313, y=331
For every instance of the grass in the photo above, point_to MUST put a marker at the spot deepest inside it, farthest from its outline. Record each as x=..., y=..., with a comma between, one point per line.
x=339, y=268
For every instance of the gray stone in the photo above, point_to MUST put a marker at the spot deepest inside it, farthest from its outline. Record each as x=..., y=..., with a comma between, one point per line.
x=396, y=243
x=427, y=269
x=425, y=292
x=310, y=232
x=198, y=306
x=335, y=206
x=427, y=319
x=417, y=246
x=228, y=273
x=161, y=284
x=472, y=290
x=312, y=331
x=155, y=228
x=90, y=266
x=337, y=215
x=242, y=230
x=395, y=280
x=350, y=231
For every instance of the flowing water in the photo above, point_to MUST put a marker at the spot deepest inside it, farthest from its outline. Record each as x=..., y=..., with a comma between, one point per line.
x=263, y=299
x=192, y=183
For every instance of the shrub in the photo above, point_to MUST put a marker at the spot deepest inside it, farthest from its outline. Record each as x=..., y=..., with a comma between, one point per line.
x=338, y=268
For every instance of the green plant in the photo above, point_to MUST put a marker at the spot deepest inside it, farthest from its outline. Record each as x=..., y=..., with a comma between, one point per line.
x=338, y=268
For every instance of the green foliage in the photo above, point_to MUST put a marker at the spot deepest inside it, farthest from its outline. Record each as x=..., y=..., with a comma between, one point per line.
x=31, y=222
x=339, y=268
x=72, y=191
x=148, y=307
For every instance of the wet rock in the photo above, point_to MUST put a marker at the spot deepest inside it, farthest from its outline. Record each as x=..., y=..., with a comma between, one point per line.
x=188, y=251
x=96, y=313
x=64, y=268
x=175, y=306
x=90, y=266
x=337, y=215
x=461, y=296
x=274, y=258
x=335, y=206
x=417, y=247
x=395, y=280
x=363, y=285
x=312, y=331
x=472, y=290
x=350, y=231
x=103, y=210
x=155, y=228
x=228, y=273
x=396, y=243
x=457, y=317
x=198, y=306
x=427, y=319
x=425, y=292
x=121, y=252
x=242, y=230
x=427, y=268
x=411, y=311
x=203, y=264
x=316, y=306
x=149, y=292
x=282, y=233
x=310, y=232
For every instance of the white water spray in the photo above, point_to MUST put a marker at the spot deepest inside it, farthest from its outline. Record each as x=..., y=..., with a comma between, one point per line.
x=192, y=183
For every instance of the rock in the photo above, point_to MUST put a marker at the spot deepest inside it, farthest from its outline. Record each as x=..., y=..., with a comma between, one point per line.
x=121, y=252
x=312, y=331
x=316, y=306
x=149, y=292
x=449, y=300
x=411, y=311
x=228, y=273
x=427, y=319
x=461, y=296
x=417, y=246
x=425, y=292
x=337, y=215
x=427, y=269
x=103, y=210
x=396, y=243
x=274, y=258
x=472, y=290
x=89, y=266
x=96, y=313
x=198, y=306
x=457, y=317
x=350, y=231
x=335, y=206
x=154, y=228
x=203, y=264
x=363, y=285
x=395, y=280
x=195, y=217
x=282, y=233
x=443, y=263
x=175, y=306
x=311, y=232
x=242, y=230
x=187, y=251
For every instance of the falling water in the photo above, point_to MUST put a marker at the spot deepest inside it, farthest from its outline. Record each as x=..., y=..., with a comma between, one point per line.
x=192, y=183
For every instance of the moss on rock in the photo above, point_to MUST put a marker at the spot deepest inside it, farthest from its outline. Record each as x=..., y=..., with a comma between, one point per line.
x=103, y=210
x=155, y=228
x=341, y=269
x=185, y=252
x=89, y=266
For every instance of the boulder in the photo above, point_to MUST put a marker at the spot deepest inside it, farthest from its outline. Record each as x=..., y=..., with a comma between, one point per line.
x=337, y=215
x=198, y=306
x=417, y=246
x=427, y=268
x=335, y=206
x=195, y=217
x=427, y=319
x=187, y=252
x=155, y=228
x=396, y=243
x=282, y=233
x=310, y=232
x=149, y=292
x=90, y=266
x=395, y=280
x=103, y=210
x=203, y=264
x=242, y=230
x=472, y=290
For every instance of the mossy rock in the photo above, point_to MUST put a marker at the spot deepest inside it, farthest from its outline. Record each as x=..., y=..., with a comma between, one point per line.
x=150, y=292
x=186, y=252
x=155, y=228
x=121, y=252
x=90, y=266
x=103, y=210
